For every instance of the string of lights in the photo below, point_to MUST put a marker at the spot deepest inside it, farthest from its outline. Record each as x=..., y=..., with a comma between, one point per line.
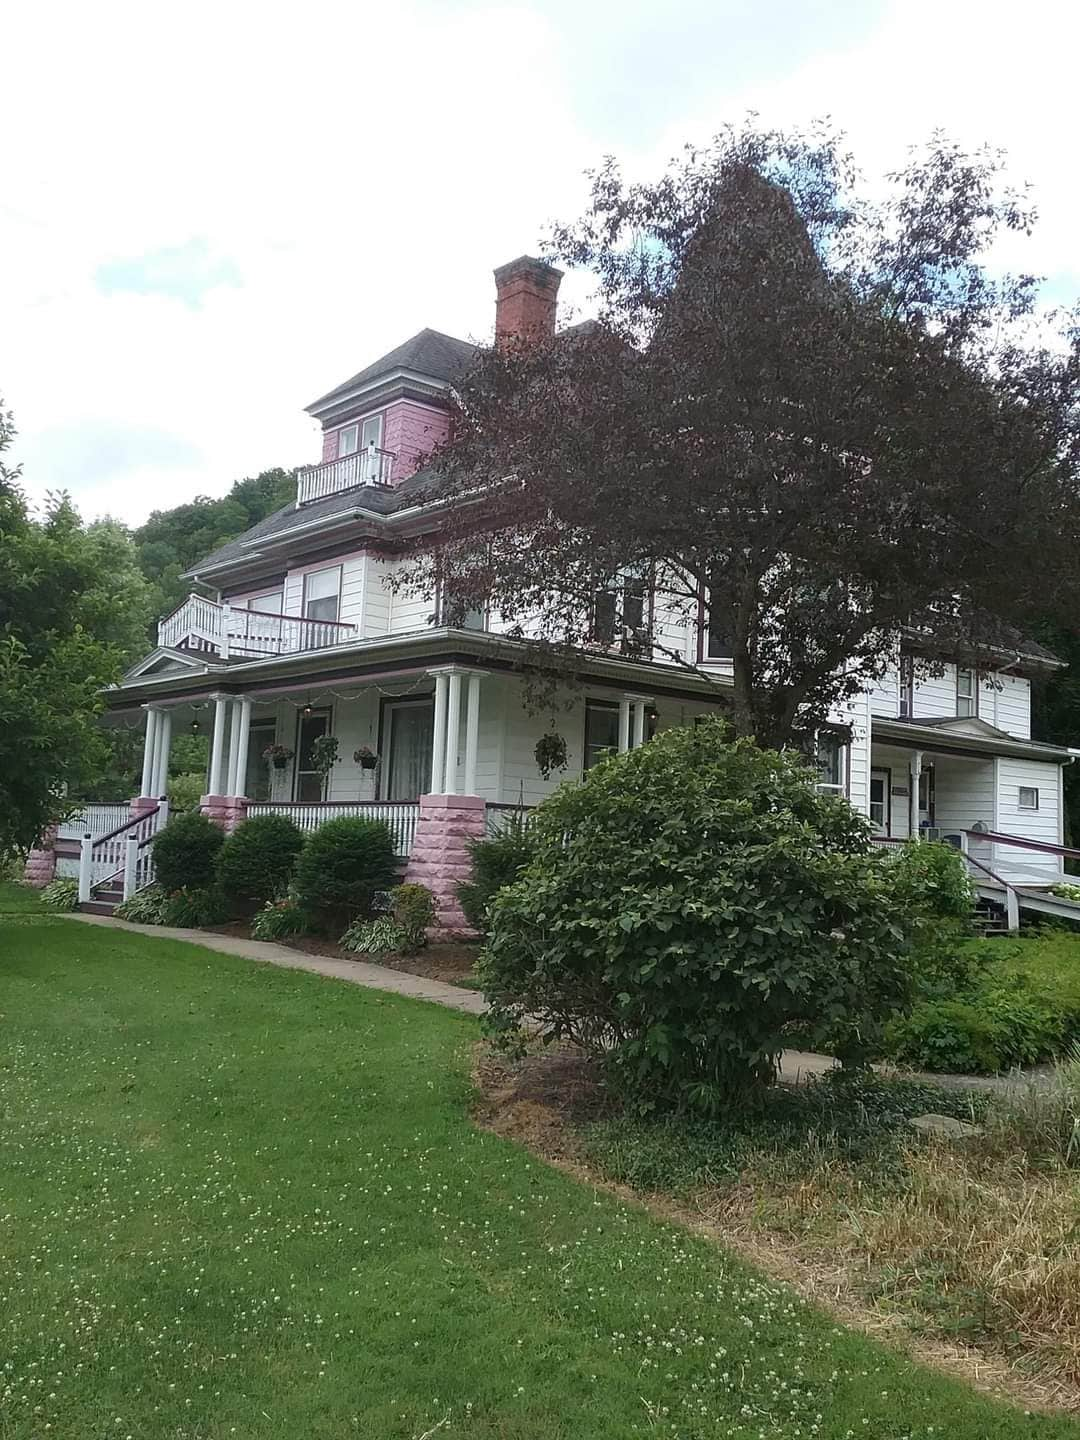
x=311, y=699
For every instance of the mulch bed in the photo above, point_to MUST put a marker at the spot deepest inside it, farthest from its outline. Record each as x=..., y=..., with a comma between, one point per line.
x=448, y=961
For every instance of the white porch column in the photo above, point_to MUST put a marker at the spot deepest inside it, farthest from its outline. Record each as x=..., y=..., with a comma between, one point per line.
x=234, y=748
x=438, y=735
x=453, y=726
x=148, y=757
x=239, y=775
x=472, y=732
x=915, y=766
x=639, y=722
x=624, y=724
x=217, y=745
x=162, y=742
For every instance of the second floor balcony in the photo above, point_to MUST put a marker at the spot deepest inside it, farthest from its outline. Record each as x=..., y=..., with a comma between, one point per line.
x=364, y=467
x=208, y=628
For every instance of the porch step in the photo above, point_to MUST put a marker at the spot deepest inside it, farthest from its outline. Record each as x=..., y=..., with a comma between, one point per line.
x=98, y=907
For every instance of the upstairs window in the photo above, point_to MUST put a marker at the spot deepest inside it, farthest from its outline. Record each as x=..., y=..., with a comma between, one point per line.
x=1029, y=797
x=907, y=687
x=371, y=431
x=718, y=640
x=967, y=692
x=824, y=750
x=322, y=590
x=619, y=611
x=347, y=441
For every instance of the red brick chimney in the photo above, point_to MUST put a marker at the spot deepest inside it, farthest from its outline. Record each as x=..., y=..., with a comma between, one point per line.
x=525, y=292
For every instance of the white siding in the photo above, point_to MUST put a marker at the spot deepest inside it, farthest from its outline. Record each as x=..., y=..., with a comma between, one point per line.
x=1005, y=702
x=935, y=695
x=884, y=693
x=377, y=596
x=964, y=796
x=1041, y=824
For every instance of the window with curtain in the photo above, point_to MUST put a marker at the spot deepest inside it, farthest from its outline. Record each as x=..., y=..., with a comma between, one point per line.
x=322, y=590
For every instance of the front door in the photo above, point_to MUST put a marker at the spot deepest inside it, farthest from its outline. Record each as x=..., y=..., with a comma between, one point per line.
x=309, y=783
x=257, y=775
x=879, y=802
x=410, y=726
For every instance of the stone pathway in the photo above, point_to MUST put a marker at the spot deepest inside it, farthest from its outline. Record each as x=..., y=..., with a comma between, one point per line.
x=356, y=972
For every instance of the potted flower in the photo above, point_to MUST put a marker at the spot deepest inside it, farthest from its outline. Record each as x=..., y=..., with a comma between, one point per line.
x=550, y=754
x=365, y=757
x=277, y=756
x=324, y=754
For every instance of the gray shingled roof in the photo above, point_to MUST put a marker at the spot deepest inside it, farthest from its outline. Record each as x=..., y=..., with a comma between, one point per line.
x=381, y=499
x=429, y=353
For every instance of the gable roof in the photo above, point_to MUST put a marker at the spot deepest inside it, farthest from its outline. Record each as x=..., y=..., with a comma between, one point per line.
x=428, y=352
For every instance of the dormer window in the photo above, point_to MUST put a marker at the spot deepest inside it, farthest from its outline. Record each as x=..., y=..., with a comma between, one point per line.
x=347, y=441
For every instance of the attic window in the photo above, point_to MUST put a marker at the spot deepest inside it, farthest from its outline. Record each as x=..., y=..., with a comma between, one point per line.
x=1029, y=797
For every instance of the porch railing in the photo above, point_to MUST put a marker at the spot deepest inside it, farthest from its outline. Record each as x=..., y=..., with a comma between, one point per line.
x=399, y=815
x=204, y=625
x=94, y=820
x=366, y=467
x=499, y=817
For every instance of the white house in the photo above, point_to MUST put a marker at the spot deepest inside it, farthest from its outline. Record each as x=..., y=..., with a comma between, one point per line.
x=291, y=632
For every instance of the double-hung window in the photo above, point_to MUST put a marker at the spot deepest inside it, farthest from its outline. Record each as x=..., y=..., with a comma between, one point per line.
x=322, y=589
x=967, y=691
x=619, y=611
x=601, y=731
x=907, y=687
x=347, y=441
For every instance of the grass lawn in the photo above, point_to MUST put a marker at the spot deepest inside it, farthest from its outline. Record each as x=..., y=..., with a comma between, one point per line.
x=240, y=1201
x=19, y=899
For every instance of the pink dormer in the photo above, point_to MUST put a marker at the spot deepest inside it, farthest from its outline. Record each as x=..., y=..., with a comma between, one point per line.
x=379, y=425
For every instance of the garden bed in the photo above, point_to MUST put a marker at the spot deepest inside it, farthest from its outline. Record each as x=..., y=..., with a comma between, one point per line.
x=968, y=1250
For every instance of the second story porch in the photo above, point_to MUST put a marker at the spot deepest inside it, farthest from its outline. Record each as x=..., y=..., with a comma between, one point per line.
x=210, y=628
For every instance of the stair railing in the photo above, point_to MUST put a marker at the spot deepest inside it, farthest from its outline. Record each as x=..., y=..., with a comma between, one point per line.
x=117, y=854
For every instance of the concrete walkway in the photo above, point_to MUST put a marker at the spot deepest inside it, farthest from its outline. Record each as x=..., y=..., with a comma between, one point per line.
x=356, y=972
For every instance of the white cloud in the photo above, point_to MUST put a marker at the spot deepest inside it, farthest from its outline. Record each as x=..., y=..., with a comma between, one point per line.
x=358, y=170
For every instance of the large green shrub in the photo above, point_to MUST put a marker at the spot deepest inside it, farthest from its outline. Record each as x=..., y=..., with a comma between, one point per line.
x=684, y=903
x=497, y=861
x=256, y=862
x=934, y=888
x=341, y=867
x=186, y=851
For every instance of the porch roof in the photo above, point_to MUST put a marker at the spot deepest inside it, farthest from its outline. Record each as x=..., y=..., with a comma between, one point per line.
x=388, y=656
x=963, y=736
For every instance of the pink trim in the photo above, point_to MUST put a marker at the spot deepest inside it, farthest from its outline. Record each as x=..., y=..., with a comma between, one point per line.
x=439, y=858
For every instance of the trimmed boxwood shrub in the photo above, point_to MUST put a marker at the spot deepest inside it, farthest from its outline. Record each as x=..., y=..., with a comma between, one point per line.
x=497, y=861
x=340, y=868
x=256, y=861
x=684, y=903
x=186, y=851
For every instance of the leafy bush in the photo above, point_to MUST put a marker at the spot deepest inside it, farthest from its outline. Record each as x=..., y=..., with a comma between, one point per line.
x=683, y=904
x=60, y=894
x=933, y=886
x=340, y=868
x=146, y=907
x=185, y=852
x=413, y=910
x=383, y=936
x=278, y=919
x=191, y=907
x=185, y=792
x=497, y=861
x=1005, y=1021
x=256, y=861
x=1066, y=891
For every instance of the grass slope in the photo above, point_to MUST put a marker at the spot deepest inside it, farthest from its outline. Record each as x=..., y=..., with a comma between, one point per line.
x=19, y=899
x=238, y=1201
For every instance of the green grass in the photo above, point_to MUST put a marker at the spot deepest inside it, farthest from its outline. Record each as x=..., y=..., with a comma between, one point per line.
x=241, y=1201
x=19, y=900
x=1050, y=957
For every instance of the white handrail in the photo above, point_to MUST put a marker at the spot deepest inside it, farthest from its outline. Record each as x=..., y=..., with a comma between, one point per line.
x=399, y=815
x=201, y=624
x=372, y=466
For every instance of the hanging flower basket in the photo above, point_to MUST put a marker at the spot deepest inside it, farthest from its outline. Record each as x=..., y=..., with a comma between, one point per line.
x=550, y=754
x=365, y=757
x=277, y=756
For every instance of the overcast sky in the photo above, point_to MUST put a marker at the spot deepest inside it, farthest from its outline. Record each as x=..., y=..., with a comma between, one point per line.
x=211, y=214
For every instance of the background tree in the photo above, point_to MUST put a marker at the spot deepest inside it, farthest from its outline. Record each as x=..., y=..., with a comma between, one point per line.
x=72, y=603
x=807, y=417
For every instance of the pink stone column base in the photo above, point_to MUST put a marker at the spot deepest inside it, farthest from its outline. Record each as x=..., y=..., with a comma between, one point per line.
x=228, y=811
x=40, y=868
x=439, y=858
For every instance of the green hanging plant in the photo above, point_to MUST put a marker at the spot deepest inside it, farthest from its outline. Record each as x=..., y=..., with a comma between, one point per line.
x=324, y=754
x=550, y=754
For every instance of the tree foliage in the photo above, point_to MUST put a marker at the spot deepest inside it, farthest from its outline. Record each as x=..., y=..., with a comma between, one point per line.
x=685, y=903
x=72, y=604
x=808, y=415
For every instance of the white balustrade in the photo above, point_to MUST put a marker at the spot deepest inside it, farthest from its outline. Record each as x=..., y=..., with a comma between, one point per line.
x=399, y=815
x=204, y=625
x=366, y=467
x=97, y=819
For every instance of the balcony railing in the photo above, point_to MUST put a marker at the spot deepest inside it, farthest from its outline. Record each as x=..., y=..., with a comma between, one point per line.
x=205, y=626
x=400, y=816
x=366, y=467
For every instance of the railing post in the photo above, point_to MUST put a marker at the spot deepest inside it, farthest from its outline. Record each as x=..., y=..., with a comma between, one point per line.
x=131, y=863
x=1012, y=909
x=226, y=619
x=86, y=857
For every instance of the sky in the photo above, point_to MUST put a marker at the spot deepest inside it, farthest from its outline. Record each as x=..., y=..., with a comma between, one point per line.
x=211, y=214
